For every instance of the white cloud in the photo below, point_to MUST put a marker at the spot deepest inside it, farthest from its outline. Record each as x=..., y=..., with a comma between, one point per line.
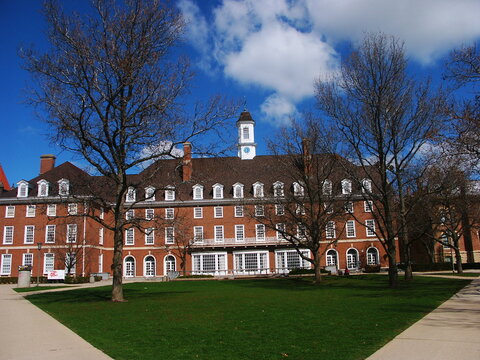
x=278, y=110
x=164, y=150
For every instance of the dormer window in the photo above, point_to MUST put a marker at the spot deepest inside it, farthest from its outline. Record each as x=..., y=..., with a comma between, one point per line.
x=149, y=193
x=238, y=191
x=298, y=189
x=367, y=186
x=346, y=187
x=170, y=193
x=327, y=187
x=42, y=188
x=218, y=191
x=258, y=189
x=22, y=189
x=131, y=194
x=278, y=190
x=197, y=192
x=63, y=187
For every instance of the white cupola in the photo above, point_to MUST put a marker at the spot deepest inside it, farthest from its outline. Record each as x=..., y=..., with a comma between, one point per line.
x=246, y=136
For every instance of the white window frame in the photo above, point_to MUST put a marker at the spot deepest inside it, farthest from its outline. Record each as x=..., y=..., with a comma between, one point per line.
x=130, y=236
x=170, y=193
x=198, y=263
x=150, y=193
x=329, y=257
x=327, y=187
x=149, y=272
x=50, y=264
x=367, y=186
x=6, y=265
x=149, y=236
x=72, y=209
x=10, y=211
x=330, y=230
x=23, y=189
x=242, y=260
x=27, y=263
x=298, y=189
x=369, y=257
x=218, y=212
x=368, y=205
x=197, y=192
x=149, y=214
x=131, y=194
x=30, y=210
x=219, y=233
x=259, y=210
x=239, y=233
x=51, y=210
x=42, y=188
x=346, y=187
x=29, y=234
x=71, y=233
x=217, y=191
x=101, y=234
x=279, y=209
x=198, y=234
x=129, y=272
x=129, y=214
x=169, y=235
x=278, y=189
x=279, y=228
x=237, y=191
x=8, y=232
x=169, y=213
x=349, y=262
x=300, y=209
x=349, y=207
x=50, y=234
x=260, y=233
x=63, y=187
x=350, y=228
x=198, y=212
x=258, y=190
x=239, y=211
x=370, y=227
x=100, y=263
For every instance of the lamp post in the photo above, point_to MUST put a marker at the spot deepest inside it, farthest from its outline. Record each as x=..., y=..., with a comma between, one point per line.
x=39, y=247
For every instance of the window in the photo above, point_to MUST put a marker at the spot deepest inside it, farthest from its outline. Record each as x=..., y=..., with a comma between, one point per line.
x=8, y=235
x=350, y=228
x=330, y=230
x=352, y=259
x=239, y=233
x=328, y=208
x=197, y=192
x=10, y=211
x=370, y=226
x=331, y=258
x=27, y=259
x=280, y=228
x=129, y=214
x=298, y=189
x=31, y=210
x=209, y=263
x=290, y=259
x=48, y=262
x=149, y=193
x=238, y=191
x=218, y=212
x=51, y=210
x=70, y=262
x=100, y=236
x=169, y=264
x=239, y=211
x=149, y=236
x=100, y=263
x=259, y=210
x=129, y=266
x=169, y=213
x=197, y=213
x=6, y=264
x=279, y=209
x=169, y=235
x=130, y=236
x=149, y=214
x=149, y=266
x=372, y=256
x=258, y=189
x=218, y=191
x=300, y=209
x=348, y=207
x=170, y=193
x=301, y=231
x=42, y=189
x=346, y=187
x=367, y=186
x=22, y=190
x=131, y=194
x=72, y=209
x=260, y=232
x=245, y=133
x=63, y=187
x=368, y=205
x=29, y=236
x=250, y=262
x=50, y=234
x=198, y=234
x=218, y=229
x=278, y=189
x=71, y=233
x=102, y=213
x=327, y=187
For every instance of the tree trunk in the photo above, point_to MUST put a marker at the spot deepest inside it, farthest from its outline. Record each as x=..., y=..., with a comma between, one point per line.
x=392, y=268
x=316, y=266
x=408, y=263
x=117, y=267
x=458, y=259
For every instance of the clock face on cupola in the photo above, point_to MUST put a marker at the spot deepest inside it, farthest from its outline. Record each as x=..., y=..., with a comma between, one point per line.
x=246, y=138
x=246, y=150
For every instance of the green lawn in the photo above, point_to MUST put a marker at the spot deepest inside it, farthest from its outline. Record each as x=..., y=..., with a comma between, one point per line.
x=345, y=318
x=38, y=288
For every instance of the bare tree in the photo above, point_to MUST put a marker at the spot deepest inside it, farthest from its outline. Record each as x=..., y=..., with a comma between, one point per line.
x=385, y=119
x=112, y=94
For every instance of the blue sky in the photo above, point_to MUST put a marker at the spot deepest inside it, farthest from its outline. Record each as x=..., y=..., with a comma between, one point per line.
x=267, y=52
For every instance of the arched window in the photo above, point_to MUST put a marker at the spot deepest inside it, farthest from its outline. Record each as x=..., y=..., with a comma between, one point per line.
x=352, y=259
x=149, y=266
x=63, y=187
x=22, y=189
x=42, y=188
x=129, y=266
x=327, y=187
x=197, y=192
x=170, y=264
x=238, y=191
x=332, y=258
x=346, y=187
x=258, y=189
x=372, y=256
x=149, y=193
x=170, y=193
x=366, y=186
x=218, y=191
x=278, y=189
x=298, y=189
x=131, y=194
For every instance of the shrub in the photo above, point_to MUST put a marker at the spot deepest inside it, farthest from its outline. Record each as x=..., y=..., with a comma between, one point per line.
x=301, y=271
x=372, y=268
x=97, y=278
x=194, y=276
x=76, y=279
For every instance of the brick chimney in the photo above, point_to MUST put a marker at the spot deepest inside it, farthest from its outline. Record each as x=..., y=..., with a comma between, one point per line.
x=47, y=163
x=187, y=167
x=307, y=157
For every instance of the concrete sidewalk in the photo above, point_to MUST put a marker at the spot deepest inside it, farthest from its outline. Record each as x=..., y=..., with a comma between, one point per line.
x=452, y=331
x=27, y=333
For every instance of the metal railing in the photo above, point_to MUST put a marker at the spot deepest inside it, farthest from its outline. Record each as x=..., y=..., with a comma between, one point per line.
x=269, y=240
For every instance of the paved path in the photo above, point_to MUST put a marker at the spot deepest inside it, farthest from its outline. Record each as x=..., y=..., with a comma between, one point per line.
x=27, y=333
x=452, y=331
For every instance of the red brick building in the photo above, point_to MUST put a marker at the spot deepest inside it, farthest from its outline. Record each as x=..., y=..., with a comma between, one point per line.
x=209, y=209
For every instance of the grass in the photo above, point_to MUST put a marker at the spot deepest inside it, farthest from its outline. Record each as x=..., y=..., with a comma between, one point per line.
x=456, y=274
x=38, y=288
x=345, y=318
